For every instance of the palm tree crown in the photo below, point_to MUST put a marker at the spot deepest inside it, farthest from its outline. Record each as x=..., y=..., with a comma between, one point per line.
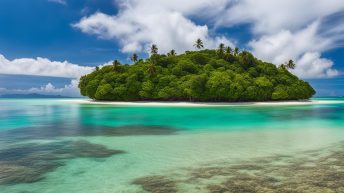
x=172, y=53
x=134, y=58
x=221, y=50
x=229, y=50
x=291, y=64
x=151, y=68
x=199, y=43
x=236, y=51
x=116, y=65
x=228, y=53
x=154, y=49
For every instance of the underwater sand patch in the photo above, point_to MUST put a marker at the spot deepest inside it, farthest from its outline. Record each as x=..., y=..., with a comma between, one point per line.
x=28, y=162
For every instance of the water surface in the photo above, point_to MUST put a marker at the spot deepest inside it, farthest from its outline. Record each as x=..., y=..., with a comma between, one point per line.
x=58, y=146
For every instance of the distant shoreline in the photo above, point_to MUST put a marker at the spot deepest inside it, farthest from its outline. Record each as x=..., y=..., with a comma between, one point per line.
x=201, y=104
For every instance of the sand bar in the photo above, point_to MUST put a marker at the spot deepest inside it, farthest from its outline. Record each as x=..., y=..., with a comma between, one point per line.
x=202, y=104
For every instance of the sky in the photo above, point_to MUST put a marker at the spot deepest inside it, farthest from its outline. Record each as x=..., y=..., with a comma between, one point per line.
x=46, y=45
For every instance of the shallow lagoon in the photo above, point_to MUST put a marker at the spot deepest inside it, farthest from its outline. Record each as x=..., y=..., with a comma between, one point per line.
x=55, y=146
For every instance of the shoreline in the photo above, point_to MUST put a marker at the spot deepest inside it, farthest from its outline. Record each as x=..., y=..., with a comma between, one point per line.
x=201, y=104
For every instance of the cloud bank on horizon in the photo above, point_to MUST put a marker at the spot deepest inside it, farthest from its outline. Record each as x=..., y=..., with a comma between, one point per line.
x=48, y=89
x=279, y=31
x=42, y=67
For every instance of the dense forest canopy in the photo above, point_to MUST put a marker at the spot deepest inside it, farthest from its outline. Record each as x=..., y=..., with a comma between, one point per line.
x=224, y=74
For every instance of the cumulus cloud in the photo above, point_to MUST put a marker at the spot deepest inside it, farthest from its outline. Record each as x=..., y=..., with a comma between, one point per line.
x=42, y=67
x=292, y=29
x=45, y=67
x=270, y=16
x=303, y=46
x=311, y=65
x=142, y=23
x=48, y=89
x=281, y=30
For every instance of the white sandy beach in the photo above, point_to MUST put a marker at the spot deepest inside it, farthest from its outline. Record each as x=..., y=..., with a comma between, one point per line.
x=201, y=104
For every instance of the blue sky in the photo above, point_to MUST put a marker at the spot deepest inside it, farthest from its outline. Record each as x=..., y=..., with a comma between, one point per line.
x=46, y=45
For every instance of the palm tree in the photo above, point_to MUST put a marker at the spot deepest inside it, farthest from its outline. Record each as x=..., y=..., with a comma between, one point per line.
x=134, y=58
x=172, y=53
x=236, y=51
x=290, y=64
x=151, y=68
x=154, y=49
x=228, y=53
x=229, y=50
x=283, y=66
x=199, y=43
x=221, y=50
x=116, y=65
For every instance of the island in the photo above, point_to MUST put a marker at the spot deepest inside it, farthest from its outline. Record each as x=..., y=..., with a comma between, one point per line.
x=218, y=75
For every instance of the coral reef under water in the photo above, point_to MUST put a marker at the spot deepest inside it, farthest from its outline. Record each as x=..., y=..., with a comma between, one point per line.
x=320, y=171
x=157, y=184
x=28, y=162
x=65, y=130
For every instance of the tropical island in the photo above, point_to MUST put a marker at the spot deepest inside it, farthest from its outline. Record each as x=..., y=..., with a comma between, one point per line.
x=221, y=75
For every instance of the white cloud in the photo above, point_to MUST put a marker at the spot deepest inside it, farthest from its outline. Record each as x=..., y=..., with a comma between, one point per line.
x=42, y=67
x=303, y=46
x=281, y=30
x=45, y=67
x=62, y=2
x=311, y=65
x=48, y=89
x=291, y=29
x=142, y=23
x=271, y=16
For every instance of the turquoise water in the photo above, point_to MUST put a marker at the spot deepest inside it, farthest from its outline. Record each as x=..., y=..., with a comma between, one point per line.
x=51, y=145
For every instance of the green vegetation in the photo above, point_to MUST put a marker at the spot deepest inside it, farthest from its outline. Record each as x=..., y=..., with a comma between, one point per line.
x=206, y=75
